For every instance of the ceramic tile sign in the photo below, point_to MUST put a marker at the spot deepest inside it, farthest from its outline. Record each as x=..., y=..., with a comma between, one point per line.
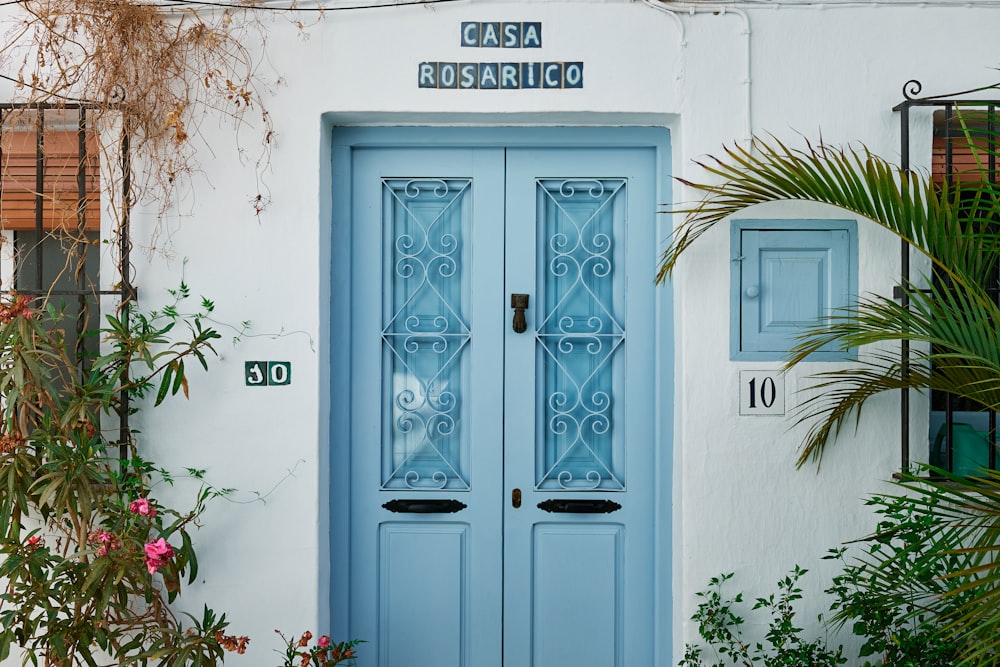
x=503, y=73
x=762, y=392
x=516, y=35
x=267, y=373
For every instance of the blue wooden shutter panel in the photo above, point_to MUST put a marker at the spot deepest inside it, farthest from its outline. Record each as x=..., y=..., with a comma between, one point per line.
x=787, y=275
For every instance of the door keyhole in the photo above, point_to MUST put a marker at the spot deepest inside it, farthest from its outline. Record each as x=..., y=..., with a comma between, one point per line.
x=515, y=498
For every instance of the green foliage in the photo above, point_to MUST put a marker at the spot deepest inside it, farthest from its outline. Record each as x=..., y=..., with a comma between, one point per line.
x=90, y=557
x=881, y=596
x=919, y=592
x=932, y=564
x=720, y=625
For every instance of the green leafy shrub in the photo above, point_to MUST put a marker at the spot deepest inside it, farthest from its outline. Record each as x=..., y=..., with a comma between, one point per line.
x=90, y=557
x=894, y=631
x=720, y=625
x=923, y=593
x=907, y=594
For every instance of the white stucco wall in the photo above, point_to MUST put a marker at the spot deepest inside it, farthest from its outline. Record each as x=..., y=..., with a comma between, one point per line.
x=738, y=503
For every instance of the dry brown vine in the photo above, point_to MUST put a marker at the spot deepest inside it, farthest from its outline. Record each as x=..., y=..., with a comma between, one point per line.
x=154, y=70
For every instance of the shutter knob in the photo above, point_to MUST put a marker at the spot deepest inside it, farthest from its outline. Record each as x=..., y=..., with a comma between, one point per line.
x=753, y=292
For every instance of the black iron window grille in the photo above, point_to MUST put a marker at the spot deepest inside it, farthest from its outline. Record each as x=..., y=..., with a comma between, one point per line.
x=962, y=436
x=50, y=223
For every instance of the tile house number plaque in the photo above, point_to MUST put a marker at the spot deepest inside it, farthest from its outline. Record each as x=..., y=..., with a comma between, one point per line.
x=267, y=373
x=500, y=75
x=762, y=392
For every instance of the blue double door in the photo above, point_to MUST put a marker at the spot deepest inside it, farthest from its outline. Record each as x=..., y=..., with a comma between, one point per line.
x=502, y=441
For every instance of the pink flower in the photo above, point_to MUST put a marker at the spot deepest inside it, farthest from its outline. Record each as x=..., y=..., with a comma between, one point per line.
x=158, y=553
x=324, y=642
x=33, y=540
x=142, y=506
x=107, y=542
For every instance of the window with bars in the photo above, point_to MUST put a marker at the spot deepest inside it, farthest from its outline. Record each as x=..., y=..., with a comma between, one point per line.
x=50, y=223
x=963, y=435
x=50, y=215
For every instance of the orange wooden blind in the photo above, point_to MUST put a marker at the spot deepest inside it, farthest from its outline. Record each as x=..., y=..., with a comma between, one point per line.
x=964, y=167
x=60, y=191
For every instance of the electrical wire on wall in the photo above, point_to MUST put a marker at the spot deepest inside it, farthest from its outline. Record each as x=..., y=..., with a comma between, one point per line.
x=678, y=9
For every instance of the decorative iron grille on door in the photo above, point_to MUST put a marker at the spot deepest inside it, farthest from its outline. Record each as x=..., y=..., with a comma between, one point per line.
x=962, y=435
x=579, y=335
x=50, y=222
x=426, y=334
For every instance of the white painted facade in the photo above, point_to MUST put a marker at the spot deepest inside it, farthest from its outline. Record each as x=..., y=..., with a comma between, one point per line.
x=710, y=73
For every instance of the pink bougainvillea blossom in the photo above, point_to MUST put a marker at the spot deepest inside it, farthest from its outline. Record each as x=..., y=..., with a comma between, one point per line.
x=158, y=554
x=324, y=642
x=143, y=507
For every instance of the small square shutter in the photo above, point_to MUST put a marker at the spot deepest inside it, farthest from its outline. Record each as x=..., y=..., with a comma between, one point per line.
x=788, y=280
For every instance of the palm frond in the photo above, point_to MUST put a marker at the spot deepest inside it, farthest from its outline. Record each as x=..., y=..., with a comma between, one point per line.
x=944, y=223
x=956, y=350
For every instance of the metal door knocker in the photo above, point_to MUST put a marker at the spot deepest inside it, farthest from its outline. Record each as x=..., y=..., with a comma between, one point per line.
x=519, y=302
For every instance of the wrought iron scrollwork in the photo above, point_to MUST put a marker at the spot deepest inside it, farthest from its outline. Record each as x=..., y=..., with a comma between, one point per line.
x=911, y=89
x=426, y=334
x=580, y=332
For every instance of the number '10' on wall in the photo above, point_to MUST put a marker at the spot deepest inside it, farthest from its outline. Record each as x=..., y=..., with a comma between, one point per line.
x=762, y=392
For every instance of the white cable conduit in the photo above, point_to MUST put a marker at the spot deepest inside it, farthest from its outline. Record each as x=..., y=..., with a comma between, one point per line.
x=676, y=9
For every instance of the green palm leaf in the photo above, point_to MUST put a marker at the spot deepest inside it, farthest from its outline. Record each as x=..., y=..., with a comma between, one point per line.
x=938, y=222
